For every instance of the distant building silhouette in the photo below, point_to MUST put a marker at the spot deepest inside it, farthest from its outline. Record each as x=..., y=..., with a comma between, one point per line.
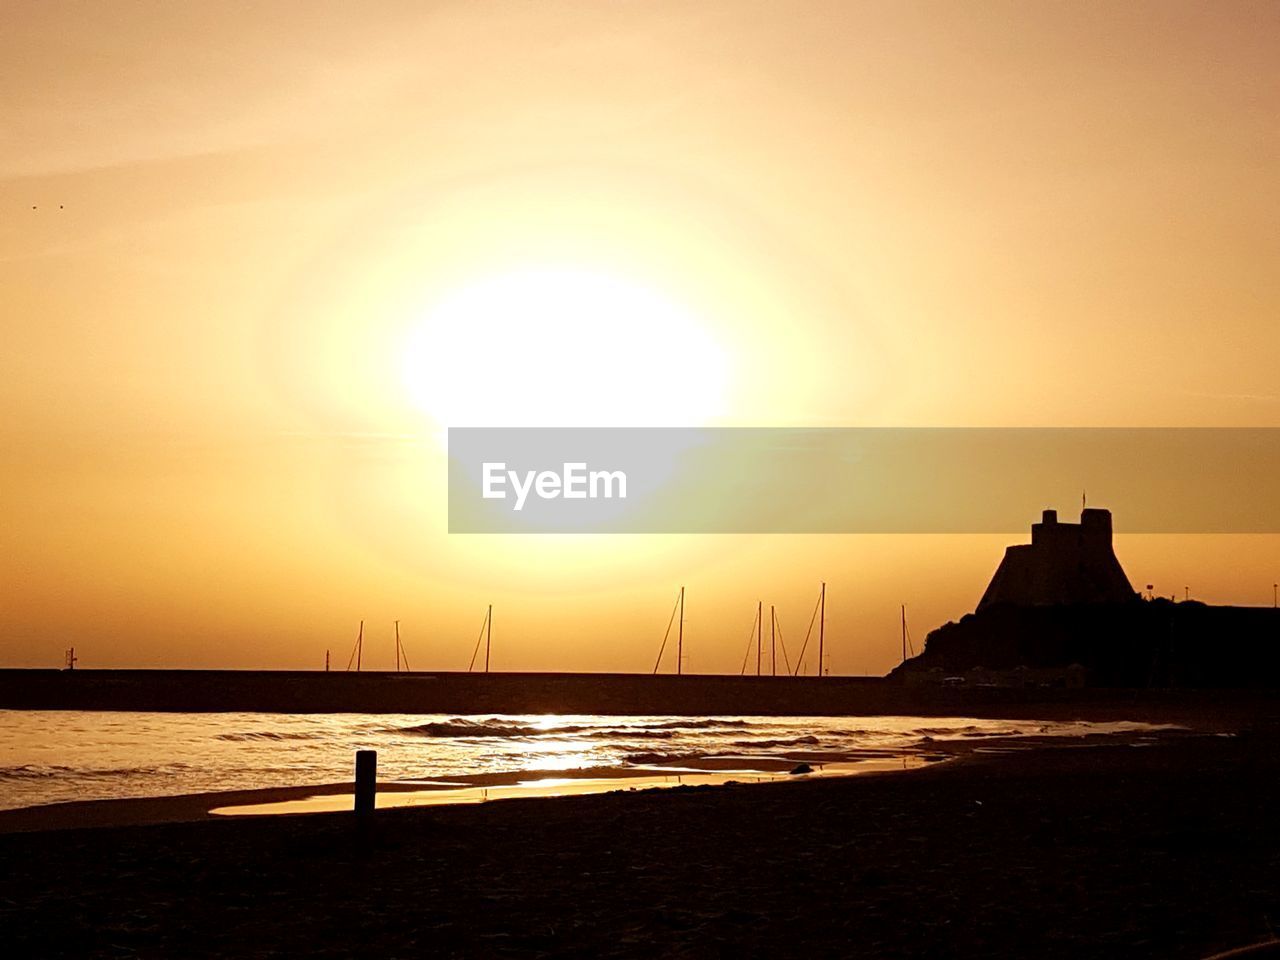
x=1061, y=612
x=1065, y=563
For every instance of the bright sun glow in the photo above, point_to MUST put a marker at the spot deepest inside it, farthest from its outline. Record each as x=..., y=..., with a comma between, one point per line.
x=563, y=347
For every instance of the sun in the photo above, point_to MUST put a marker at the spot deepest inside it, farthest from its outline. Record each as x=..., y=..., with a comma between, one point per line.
x=562, y=346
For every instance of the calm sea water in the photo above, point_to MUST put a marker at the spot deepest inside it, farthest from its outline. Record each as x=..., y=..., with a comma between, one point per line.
x=51, y=756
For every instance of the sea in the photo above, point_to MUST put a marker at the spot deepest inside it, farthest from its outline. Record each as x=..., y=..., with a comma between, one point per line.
x=54, y=756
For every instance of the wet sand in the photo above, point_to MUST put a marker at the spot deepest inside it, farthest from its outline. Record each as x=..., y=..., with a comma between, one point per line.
x=1170, y=849
x=473, y=788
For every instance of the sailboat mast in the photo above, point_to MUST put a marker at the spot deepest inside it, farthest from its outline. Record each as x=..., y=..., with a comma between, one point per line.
x=773, y=642
x=904, y=633
x=488, y=636
x=759, y=631
x=397, y=646
x=822, y=623
x=404, y=656
x=359, y=646
x=680, y=637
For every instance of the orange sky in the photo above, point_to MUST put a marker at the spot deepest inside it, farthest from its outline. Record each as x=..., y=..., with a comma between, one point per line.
x=884, y=214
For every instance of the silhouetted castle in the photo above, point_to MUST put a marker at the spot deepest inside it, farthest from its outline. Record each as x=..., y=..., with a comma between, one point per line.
x=1060, y=610
x=1063, y=563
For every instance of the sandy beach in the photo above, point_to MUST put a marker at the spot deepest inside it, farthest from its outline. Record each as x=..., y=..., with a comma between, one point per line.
x=1168, y=849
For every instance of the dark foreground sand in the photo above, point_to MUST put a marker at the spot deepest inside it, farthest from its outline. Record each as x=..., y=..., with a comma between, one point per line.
x=1168, y=850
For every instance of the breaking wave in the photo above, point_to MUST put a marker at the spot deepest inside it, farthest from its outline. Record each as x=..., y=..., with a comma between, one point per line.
x=58, y=772
x=805, y=741
x=462, y=727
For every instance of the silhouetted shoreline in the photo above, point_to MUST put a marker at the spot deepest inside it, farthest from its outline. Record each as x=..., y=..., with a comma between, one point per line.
x=1167, y=849
x=194, y=691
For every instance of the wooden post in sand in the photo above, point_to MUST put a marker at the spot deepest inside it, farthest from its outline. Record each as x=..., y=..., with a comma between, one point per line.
x=366, y=781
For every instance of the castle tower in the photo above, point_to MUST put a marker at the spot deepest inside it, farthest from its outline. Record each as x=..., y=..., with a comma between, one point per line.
x=1064, y=563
